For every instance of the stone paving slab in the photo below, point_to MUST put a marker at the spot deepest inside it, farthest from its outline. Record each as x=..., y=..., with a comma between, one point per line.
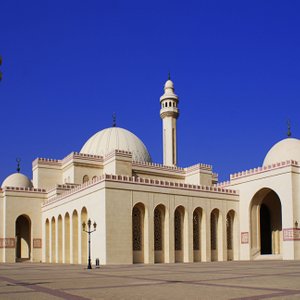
x=218, y=280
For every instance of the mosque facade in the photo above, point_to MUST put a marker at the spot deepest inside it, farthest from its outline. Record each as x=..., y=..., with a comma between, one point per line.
x=147, y=212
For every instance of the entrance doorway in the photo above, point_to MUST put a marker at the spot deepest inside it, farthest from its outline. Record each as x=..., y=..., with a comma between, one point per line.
x=23, y=238
x=266, y=223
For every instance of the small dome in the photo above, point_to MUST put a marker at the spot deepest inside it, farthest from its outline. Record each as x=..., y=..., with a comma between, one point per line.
x=287, y=149
x=116, y=138
x=17, y=180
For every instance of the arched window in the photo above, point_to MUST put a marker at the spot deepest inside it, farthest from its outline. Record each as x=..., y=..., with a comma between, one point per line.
x=213, y=228
x=138, y=217
x=196, y=230
x=136, y=229
x=229, y=231
x=157, y=230
x=85, y=179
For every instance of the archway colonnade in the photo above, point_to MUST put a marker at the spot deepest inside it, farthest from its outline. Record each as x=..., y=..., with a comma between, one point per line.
x=65, y=242
x=192, y=237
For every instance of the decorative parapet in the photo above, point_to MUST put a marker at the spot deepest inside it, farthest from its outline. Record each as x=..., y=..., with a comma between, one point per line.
x=143, y=181
x=116, y=152
x=23, y=189
x=264, y=169
x=159, y=167
x=46, y=161
x=74, y=189
x=198, y=167
x=66, y=186
x=83, y=156
x=223, y=184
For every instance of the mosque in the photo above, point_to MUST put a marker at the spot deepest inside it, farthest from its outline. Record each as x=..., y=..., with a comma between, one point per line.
x=147, y=212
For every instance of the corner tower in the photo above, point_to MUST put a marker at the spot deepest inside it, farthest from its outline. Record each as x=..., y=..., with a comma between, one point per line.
x=169, y=113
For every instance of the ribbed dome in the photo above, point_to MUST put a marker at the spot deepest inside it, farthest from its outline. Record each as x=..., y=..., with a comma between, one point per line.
x=287, y=149
x=116, y=138
x=17, y=180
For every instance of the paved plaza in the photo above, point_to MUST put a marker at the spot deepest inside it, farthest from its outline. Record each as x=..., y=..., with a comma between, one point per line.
x=218, y=280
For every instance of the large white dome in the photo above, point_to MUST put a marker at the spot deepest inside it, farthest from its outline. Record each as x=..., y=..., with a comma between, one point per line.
x=17, y=180
x=116, y=138
x=287, y=149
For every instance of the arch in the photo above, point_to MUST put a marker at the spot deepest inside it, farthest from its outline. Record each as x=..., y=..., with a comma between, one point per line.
x=138, y=234
x=159, y=233
x=84, y=237
x=216, y=235
x=94, y=178
x=179, y=220
x=47, y=241
x=230, y=234
x=67, y=238
x=75, y=237
x=23, y=238
x=85, y=179
x=197, y=234
x=265, y=223
x=59, y=239
x=53, y=241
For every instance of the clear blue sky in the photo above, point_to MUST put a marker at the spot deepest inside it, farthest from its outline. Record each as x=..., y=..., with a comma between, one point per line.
x=68, y=65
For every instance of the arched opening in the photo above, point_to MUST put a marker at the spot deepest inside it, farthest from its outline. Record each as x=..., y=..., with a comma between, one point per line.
x=85, y=179
x=84, y=237
x=197, y=233
x=23, y=238
x=75, y=237
x=230, y=218
x=53, y=241
x=179, y=233
x=266, y=223
x=216, y=235
x=47, y=242
x=67, y=238
x=138, y=219
x=159, y=234
x=59, y=239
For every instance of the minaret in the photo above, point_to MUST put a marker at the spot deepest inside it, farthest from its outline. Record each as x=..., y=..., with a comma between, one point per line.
x=169, y=113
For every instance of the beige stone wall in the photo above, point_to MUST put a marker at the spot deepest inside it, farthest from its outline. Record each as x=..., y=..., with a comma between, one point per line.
x=23, y=203
x=91, y=199
x=283, y=180
x=120, y=200
x=46, y=176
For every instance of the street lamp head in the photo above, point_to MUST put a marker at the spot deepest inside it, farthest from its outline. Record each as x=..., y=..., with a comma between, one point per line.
x=89, y=222
x=83, y=226
x=95, y=225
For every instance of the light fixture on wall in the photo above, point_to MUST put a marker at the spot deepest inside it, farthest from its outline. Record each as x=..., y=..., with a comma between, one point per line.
x=296, y=224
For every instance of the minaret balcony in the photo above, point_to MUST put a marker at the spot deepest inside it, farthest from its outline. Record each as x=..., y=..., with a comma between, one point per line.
x=169, y=112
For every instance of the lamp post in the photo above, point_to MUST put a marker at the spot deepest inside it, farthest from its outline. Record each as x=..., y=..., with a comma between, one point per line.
x=89, y=231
